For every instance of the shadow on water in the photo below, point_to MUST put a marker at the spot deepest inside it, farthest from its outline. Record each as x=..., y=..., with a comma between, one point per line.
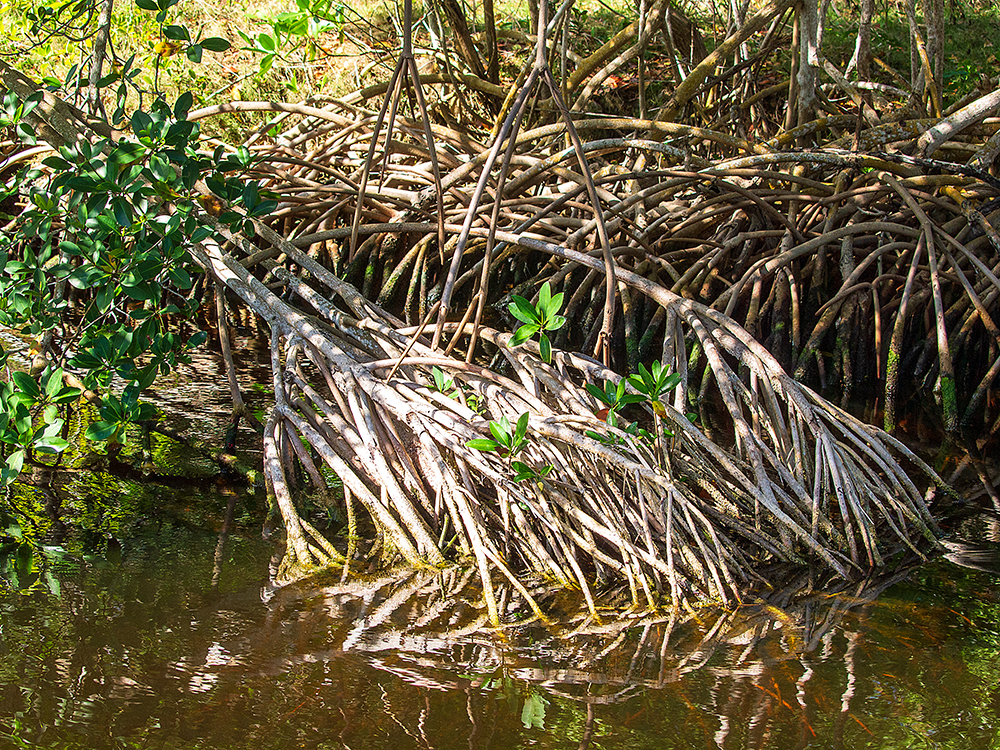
x=154, y=627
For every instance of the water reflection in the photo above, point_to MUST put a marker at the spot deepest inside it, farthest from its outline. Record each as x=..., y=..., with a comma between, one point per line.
x=174, y=647
x=156, y=635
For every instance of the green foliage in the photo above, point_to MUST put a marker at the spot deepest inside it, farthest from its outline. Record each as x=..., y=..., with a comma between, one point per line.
x=118, y=413
x=443, y=383
x=30, y=417
x=95, y=224
x=507, y=440
x=176, y=38
x=296, y=33
x=97, y=268
x=523, y=471
x=654, y=384
x=13, y=113
x=614, y=397
x=446, y=385
x=47, y=37
x=631, y=429
x=971, y=48
x=538, y=319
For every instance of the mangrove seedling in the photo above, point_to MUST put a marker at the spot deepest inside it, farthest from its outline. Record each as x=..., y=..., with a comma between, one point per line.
x=654, y=383
x=614, y=399
x=443, y=383
x=524, y=471
x=538, y=319
x=508, y=441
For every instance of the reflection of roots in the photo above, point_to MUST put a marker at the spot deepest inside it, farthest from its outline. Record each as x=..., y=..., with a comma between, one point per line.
x=429, y=629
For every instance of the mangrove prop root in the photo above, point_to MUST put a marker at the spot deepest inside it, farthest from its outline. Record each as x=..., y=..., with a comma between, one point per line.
x=704, y=234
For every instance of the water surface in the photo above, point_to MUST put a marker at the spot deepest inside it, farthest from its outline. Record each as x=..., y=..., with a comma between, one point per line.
x=163, y=639
x=151, y=625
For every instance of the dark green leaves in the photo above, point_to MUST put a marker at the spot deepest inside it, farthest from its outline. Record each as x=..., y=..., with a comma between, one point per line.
x=29, y=417
x=507, y=440
x=27, y=388
x=116, y=414
x=183, y=105
x=159, y=6
x=654, y=383
x=215, y=44
x=537, y=319
x=614, y=396
x=442, y=383
x=115, y=218
x=179, y=33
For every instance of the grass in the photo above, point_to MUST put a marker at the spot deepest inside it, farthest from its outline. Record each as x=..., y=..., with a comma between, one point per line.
x=333, y=61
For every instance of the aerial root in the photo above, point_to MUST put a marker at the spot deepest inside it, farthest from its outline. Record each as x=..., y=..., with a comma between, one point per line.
x=685, y=515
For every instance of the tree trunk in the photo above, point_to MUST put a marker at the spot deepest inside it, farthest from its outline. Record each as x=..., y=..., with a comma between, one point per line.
x=911, y=15
x=810, y=38
x=95, y=105
x=934, y=20
x=492, y=53
x=862, y=59
x=463, y=39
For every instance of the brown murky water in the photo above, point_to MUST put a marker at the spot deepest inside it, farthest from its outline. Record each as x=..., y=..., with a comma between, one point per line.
x=167, y=647
x=150, y=626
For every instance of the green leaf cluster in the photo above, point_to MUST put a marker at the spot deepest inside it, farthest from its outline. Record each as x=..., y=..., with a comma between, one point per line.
x=508, y=440
x=538, y=319
x=98, y=267
x=177, y=37
x=523, y=471
x=297, y=30
x=116, y=414
x=443, y=383
x=653, y=385
x=614, y=397
x=13, y=112
x=30, y=417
